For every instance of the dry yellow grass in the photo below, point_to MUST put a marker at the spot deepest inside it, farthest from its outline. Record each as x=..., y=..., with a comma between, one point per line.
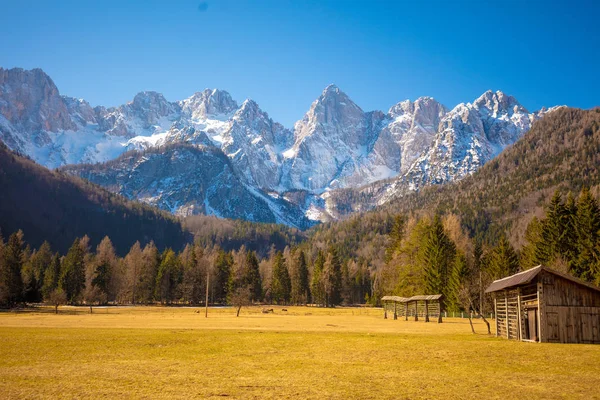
x=154, y=352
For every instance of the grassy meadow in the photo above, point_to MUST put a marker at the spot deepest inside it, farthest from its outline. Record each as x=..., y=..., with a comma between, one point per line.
x=304, y=352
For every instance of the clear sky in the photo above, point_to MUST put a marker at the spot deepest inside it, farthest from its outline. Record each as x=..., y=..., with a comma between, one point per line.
x=283, y=53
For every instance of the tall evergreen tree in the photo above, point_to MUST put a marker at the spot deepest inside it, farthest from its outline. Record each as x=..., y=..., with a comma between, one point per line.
x=281, y=283
x=223, y=265
x=72, y=272
x=252, y=276
x=532, y=237
x=554, y=231
x=11, y=271
x=437, y=255
x=316, y=286
x=587, y=229
x=300, y=281
x=168, y=277
x=103, y=271
x=194, y=274
x=38, y=263
x=396, y=235
x=504, y=260
x=51, y=276
x=332, y=276
x=347, y=284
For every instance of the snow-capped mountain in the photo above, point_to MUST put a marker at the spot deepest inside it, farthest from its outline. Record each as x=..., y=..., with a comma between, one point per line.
x=265, y=172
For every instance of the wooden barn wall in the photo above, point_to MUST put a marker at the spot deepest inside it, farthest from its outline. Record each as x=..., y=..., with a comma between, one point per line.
x=563, y=292
x=571, y=312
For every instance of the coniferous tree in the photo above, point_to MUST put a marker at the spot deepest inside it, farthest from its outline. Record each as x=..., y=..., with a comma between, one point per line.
x=252, y=276
x=587, y=229
x=332, y=276
x=104, y=274
x=504, y=261
x=168, y=277
x=346, y=291
x=316, y=287
x=34, y=273
x=11, y=263
x=458, y=277
x=396, y=235
x=223, y=265
x=532, y=238
x=554, y=230
x=72, y=272
x=194, y=274
x=300, y=281
x=281, y=283
x=438, y=253
x=51, y=276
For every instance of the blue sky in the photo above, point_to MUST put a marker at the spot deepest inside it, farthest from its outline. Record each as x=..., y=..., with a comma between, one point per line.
x=283, y=53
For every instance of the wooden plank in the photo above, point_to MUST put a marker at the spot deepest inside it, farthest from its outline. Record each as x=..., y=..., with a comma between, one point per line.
x=496, y=313
x=519, y=336
x=539, y=313
x=506, y=304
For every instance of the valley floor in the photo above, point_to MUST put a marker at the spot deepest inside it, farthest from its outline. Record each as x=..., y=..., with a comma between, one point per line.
x=305, y=352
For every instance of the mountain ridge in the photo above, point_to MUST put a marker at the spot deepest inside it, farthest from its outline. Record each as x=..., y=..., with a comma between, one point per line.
x=336, y=145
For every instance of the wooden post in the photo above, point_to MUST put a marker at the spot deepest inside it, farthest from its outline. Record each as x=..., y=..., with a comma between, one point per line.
x=385, y=310
x=395, y=312
x=506, y=305
x=406, y=310
x=416, y=310
x=496, y=314
x=519, y=335
x=426, y=311
x=206, y=300
x=539, y=313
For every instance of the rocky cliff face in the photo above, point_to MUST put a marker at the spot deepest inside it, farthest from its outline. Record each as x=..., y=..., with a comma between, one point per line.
x=336, y=145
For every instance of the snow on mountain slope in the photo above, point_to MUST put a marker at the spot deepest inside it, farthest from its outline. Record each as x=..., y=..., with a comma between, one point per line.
x=186, y=180
x=335, y=146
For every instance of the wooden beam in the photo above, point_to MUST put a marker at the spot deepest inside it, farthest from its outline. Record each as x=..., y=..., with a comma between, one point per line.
x=506, y=305
x=539, y=313
x=416, y=310
x=406, y=311
x=519, y=334
x=395, y=312
x=426, y=311
x=496, y=313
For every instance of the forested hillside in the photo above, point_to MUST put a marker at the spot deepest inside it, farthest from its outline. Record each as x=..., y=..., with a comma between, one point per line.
x=561, y=152
x=52, y=206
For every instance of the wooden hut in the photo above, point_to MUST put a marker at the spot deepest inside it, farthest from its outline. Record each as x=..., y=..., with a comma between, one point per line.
x=543, y=305
x=424, y=306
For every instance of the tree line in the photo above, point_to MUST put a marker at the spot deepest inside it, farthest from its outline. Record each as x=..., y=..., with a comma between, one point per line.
x=147, y=276
x=419, y=255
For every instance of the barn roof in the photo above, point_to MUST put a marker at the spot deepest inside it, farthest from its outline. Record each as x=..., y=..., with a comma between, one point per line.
x=525, y=277
x=414, y=298
x=397, y=299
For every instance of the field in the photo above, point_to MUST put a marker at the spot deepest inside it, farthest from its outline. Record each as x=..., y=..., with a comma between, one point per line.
x=155, y=352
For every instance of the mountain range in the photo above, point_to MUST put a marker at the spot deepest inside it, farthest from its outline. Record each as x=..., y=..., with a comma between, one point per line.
x=209, y=155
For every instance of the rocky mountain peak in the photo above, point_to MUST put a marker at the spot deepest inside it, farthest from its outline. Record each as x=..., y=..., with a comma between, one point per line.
x=30, y=98
x=154, y=103
x=423, y=105
x=209, y=103
x=498, y=103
